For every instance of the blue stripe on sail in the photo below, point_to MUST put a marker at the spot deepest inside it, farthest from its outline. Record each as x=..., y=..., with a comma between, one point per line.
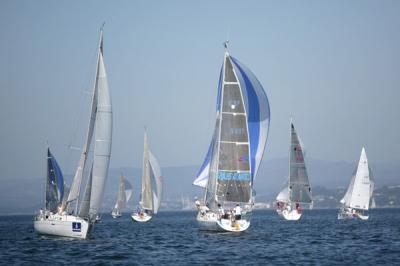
x=255, y=99
x=202, y=175
x=60, y=180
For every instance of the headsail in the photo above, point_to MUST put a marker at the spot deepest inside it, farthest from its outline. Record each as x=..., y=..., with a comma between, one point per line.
x=85, y=203
x=283, y=196
x=155, y=174
x=346, y=199
x=362, y=188
x=54, y=184
x=128, y=190
x=299, y=186
x=121, y=199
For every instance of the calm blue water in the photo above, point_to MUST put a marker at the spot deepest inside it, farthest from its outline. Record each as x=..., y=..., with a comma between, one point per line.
x=173, y=238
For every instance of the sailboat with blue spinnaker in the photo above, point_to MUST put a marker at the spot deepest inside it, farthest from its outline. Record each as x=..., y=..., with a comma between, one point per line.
x=241, y=128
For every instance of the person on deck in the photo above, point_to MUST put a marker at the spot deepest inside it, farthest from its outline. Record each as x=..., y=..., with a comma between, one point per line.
x=221, y=212
x=238, y=212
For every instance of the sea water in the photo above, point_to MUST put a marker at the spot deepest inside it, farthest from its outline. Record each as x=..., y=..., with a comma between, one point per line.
x=173, y=238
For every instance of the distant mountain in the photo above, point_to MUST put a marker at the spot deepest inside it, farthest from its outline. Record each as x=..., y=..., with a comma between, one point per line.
x=26, y=195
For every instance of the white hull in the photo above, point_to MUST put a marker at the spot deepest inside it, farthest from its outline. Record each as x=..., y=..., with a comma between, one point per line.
x=61, y=225
x=116, y=215
x=233, y=226
x=290, y=215
x=211, y=222
x=349, y=214
x=208, y=221
x=141, y=218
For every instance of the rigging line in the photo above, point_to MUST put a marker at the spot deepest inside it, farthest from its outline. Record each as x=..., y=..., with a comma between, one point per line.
x=85, y=83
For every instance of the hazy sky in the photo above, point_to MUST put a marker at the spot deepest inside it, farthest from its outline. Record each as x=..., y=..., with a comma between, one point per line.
x=332, y=65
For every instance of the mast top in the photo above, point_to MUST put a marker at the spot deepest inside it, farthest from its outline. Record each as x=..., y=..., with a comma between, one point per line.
x=226, y=45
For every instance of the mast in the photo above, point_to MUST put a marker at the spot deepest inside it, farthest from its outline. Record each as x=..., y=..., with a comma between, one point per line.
x=290, y=156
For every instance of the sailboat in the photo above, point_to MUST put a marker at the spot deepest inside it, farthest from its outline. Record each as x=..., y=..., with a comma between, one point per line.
x=297, y=190
x=241, y=128
x=124, y=195
x=358, y=194
x=75, y=222
x=151, y=186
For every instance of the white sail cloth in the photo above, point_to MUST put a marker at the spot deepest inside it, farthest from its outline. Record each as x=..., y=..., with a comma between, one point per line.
x=361, y=186
x=283, y=196
x=151, y=180
x=103, y=136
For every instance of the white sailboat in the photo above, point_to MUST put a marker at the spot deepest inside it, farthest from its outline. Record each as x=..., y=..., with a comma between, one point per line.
x=358, y=194
x=236, y=150
x=76, y=222
x=124, y=195
x=151, y=186
x=298, y=189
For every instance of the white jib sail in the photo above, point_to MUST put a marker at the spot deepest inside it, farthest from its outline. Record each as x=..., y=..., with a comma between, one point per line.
x=283, y=196
x=360, y=196
x=121, y=199
x=156, y=177
x=85, y=203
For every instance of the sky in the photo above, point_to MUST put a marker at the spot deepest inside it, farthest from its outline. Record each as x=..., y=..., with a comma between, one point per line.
x=331, y=65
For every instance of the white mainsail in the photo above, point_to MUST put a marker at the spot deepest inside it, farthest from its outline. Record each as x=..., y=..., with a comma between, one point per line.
x=361, y=187
x=103, y=136
x=299, y=186
x=146, y=195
